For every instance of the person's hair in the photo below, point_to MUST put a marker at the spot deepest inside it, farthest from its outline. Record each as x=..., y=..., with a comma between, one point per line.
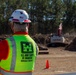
x=18, y=27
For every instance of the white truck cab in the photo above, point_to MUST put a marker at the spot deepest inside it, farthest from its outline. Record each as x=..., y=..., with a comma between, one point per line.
x=57, y=39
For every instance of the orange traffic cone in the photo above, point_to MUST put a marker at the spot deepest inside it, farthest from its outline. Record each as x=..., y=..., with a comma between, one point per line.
x=47, y=64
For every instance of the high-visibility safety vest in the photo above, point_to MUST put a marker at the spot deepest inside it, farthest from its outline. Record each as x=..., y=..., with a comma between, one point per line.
x=22, y=55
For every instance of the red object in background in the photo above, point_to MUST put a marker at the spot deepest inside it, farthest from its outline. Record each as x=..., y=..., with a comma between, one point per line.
x=60, y=30
x=47, y=64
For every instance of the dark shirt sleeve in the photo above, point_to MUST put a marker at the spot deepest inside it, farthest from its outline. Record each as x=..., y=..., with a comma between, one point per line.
x=4, y=50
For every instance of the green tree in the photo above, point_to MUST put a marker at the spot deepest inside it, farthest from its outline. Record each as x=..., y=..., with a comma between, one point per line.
x=45, y=15
x=38, y=10
x=70, y=13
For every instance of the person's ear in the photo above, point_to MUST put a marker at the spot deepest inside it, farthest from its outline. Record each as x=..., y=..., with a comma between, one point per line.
x=12, y=26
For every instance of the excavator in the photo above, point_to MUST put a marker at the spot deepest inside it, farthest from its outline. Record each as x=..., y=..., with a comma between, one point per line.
x=58, y=39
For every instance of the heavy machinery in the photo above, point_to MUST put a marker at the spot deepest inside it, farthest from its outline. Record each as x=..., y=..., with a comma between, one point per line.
x=57, y=39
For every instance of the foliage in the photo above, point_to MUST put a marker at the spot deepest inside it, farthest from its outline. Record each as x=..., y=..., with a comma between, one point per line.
x=46, y=15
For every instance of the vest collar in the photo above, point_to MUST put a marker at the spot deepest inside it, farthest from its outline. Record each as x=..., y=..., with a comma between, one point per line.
x=21, y=33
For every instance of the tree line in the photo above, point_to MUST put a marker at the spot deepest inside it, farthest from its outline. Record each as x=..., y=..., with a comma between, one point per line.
x=46, y=15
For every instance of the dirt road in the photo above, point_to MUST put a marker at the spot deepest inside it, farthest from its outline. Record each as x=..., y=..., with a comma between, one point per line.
x=60, y=61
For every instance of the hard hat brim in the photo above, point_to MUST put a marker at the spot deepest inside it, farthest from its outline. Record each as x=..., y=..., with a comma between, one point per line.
x=25, y=21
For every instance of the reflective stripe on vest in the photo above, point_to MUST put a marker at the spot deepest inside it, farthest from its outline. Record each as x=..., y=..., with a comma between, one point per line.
x=13, y=62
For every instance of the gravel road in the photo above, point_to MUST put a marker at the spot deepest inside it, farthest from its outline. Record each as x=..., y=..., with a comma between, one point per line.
x=60, y=61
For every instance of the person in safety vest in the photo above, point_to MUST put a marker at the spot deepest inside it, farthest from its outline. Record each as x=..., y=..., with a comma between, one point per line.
x=18, y=52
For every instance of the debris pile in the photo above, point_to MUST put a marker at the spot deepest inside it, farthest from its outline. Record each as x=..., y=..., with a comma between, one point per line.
x=71, y=46
x=41, y=41
x=39, y=38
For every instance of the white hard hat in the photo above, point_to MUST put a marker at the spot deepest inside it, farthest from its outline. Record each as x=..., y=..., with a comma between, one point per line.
x=20, y=15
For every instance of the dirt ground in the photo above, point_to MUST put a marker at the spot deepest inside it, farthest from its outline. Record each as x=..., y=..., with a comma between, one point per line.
x=60, y=61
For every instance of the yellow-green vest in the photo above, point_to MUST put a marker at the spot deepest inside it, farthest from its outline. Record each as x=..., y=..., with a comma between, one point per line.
x=22, y=54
